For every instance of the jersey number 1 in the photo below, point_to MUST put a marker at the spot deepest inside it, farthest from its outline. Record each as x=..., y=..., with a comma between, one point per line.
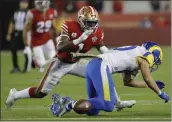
x=43, y=26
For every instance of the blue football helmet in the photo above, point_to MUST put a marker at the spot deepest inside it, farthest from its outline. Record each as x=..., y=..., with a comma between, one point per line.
x=157, y=53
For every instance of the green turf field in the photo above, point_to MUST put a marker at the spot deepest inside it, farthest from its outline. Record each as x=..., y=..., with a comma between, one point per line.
x=148, y=107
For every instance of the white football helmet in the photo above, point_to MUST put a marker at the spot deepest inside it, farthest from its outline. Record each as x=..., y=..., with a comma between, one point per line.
x=42, y=5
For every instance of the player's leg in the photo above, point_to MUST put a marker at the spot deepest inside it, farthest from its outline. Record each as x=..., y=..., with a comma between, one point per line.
x=91, y=92
x=50, y=79
x=97, y=73
x=104, y=85
x=79, y=68
x=49, y=49
x=38, y=56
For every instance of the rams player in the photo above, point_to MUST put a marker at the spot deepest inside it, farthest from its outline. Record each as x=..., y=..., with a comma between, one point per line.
x=100, y=86
x=76, y=36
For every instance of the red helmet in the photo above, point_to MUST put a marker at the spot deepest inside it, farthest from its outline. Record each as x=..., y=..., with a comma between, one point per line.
x=88, y=18
x=42, y=5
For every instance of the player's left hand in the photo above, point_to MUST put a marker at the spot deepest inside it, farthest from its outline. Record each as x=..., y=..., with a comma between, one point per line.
x=160, y=84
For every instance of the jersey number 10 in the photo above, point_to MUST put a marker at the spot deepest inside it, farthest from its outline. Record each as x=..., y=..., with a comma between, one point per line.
x=43, y=26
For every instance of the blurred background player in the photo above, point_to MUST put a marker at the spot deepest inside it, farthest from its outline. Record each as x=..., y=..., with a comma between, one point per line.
x=100, y=85
x=76, y=36
x=40, y=21
x=14, y=35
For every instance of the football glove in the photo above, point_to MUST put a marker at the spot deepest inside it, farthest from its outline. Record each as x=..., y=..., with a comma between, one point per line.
x=164, y=96
x=160, y=84
x=83, y=37
x=85, y=34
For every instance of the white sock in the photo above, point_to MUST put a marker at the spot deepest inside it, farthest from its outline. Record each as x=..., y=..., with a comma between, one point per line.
x=117, y=97
x=22, y=94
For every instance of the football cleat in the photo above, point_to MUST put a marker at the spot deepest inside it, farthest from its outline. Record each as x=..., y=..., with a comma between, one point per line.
x=10, y=99
x=125, y=104
x=59, y=104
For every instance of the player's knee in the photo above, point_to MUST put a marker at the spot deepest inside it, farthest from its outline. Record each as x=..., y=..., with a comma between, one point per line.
x=109, y=106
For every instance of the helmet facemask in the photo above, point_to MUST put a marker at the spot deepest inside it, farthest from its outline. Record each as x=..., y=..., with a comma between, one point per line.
x=90, y=25
x=42, y=5
x=157, y=60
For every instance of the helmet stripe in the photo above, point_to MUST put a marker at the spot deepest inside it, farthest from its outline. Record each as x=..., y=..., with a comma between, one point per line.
x=92, y=10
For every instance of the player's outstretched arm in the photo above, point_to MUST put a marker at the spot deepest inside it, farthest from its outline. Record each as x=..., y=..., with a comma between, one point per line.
x=128, y=81
x=145, y=69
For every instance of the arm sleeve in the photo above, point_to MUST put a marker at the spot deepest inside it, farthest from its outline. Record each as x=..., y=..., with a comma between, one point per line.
x=65, y=29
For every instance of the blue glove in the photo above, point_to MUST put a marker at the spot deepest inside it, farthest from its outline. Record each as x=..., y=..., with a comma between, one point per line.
x=160, y=84
x=164, y=96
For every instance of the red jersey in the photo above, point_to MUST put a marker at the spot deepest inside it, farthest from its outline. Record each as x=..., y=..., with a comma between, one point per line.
x=41, y=25
x=73, y=30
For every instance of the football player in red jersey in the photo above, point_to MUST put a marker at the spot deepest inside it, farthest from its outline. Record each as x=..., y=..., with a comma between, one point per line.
x=76, y=36
x=39, y=21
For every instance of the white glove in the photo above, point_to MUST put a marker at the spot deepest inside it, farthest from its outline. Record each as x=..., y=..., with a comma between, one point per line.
x=27, y=50
x=83, y=37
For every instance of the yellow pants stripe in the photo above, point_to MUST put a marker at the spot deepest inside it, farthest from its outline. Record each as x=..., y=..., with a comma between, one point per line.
x=105, y=82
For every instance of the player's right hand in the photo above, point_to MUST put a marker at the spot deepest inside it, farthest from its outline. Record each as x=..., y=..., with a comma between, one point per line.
x=164, y=96
x=27, y=50
x=85, y=35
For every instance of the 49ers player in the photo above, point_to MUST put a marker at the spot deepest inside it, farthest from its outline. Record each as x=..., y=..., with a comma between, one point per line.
x=39, y=21
x=76, y=36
